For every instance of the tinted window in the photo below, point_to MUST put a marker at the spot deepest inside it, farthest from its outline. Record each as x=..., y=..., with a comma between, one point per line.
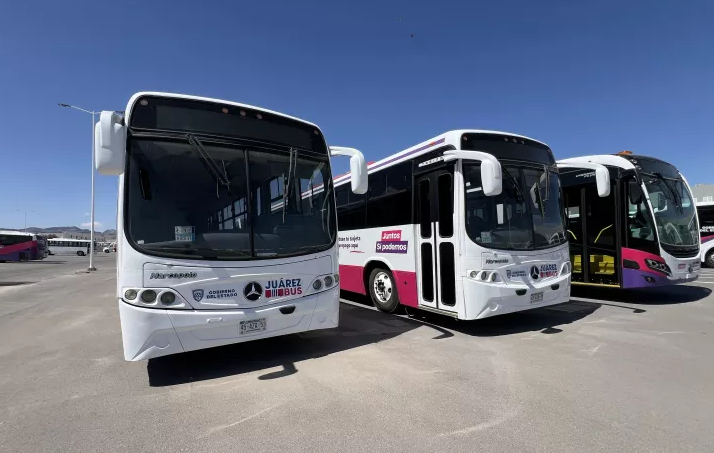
x=507, y=147
x=446, y=205
x=209, y=118
x=706, y=220
x=390, y=196
x=351, y=209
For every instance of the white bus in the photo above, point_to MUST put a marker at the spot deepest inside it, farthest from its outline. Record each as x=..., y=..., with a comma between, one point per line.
x=202, y=259
x=78, y=247
x=705, y=209
x=468, y=224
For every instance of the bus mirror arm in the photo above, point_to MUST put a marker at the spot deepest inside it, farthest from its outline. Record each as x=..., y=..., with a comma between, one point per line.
x=358, y=167
x=491, y=173
x=109, y=144
x=602, y=175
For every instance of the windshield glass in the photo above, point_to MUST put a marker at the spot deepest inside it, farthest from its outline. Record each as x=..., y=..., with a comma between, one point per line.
x=673, y=211
x=524, y=216
x=206, y=199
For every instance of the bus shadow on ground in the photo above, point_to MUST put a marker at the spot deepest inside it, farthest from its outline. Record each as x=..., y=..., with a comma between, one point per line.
x=358, y=327
x=545, y=319
x=14, y=283
x=667, y=295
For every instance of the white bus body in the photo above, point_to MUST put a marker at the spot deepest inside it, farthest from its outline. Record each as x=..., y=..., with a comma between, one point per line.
x=444, y=229
x=78, y=247
x=202, y=260
x=705, y=210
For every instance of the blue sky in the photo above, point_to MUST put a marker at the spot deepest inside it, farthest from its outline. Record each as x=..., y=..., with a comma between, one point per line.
x=596, y=78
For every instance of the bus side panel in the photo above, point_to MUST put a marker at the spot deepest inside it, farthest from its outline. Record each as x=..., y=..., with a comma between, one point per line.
x=643, y=277
x=707, y=244
x=393, y=246
x=407, y=287
x=352, y=278
x=14, y=252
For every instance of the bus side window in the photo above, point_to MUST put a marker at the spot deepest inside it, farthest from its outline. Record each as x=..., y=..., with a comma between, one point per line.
x=638, y=226
x=390, y=196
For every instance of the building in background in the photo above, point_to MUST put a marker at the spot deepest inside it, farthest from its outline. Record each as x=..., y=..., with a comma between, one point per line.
x=703, y=192
x=99, y=237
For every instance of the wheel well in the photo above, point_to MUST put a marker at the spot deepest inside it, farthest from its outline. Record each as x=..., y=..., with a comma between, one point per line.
x=368, y=268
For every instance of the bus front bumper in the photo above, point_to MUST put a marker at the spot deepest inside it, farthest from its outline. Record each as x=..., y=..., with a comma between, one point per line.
x=148, y=332
x=483, y=300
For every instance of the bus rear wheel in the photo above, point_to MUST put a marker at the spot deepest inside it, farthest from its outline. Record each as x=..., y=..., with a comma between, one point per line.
x=80, y=253
x=383, y=290
x=710, y=258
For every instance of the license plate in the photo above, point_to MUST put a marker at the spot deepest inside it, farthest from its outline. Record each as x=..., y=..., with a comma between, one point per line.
x=536, y=297
x=254, y=325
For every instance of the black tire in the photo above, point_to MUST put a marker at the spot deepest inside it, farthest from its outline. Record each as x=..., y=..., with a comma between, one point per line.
x=80, y=253
x=709, y=260
x=388, y=300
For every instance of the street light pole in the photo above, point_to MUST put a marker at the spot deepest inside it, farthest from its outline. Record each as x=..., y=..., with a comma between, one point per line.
x=25, y=213
x=91, y=235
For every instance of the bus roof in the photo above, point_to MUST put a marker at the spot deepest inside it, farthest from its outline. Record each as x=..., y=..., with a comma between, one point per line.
x=133, y=99
x=602, y=159
x=15, y=233
x=452, y=138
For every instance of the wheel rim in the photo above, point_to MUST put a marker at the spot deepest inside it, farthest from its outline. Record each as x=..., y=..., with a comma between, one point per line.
x=383, y=287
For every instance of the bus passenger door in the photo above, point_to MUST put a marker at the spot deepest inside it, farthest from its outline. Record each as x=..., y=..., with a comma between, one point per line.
x=592, y=230
x=436, y=239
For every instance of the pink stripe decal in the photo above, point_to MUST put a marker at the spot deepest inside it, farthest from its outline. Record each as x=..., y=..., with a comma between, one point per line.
x=351, y=279
x=707, y=238
x=639, y=257
x=407, y=287
x=16, y=247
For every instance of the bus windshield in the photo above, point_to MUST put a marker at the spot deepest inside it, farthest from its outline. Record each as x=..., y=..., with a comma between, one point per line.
x=674, y=211
x=200, y=198
x=526, y=215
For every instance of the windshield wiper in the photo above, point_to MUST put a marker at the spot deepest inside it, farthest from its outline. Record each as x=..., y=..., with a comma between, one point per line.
x=210, y=163
x=519, y=193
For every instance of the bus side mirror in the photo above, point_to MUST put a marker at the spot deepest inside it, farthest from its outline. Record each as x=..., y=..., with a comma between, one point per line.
x=358, y=168
x=635, y=193
x=491, y=178
x=602, y=179
x=109, y=144
x=491, y=173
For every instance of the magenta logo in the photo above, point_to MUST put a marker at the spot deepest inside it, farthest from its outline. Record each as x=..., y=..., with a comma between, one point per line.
x=392, y=242
x=392, y=235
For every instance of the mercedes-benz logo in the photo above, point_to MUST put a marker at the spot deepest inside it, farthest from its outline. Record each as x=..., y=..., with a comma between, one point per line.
x=252, y=291
x=535, y=273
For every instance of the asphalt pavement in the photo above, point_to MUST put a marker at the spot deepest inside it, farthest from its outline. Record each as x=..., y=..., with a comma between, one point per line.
x=610, y=371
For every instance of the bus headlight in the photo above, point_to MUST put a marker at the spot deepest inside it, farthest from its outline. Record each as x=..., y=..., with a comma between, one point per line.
x=148, y=296
x=328, y=280
x=168, y=298
x=337, y=278
x=317, y=284
x=130, y=294
x=473, y=274
x=658, y=266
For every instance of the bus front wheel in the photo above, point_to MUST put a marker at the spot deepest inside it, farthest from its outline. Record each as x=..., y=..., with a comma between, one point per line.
x=80, y=253
x=710, y=258
x=383, y=290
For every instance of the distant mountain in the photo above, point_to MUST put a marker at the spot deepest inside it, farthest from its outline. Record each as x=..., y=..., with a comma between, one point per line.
x=61, y=229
